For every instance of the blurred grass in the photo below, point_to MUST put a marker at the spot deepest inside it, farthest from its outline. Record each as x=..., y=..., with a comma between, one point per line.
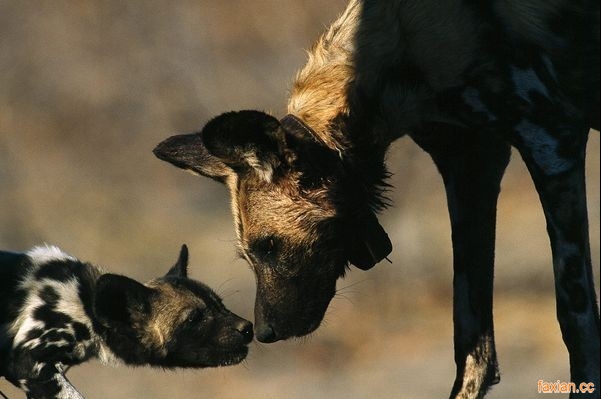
x=86, y=91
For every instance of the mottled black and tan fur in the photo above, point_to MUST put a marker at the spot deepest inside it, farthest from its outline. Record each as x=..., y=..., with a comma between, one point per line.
x=56, y=312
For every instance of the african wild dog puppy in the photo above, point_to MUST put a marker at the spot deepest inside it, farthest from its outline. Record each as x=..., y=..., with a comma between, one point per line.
x=466, y=80
x=56, y=311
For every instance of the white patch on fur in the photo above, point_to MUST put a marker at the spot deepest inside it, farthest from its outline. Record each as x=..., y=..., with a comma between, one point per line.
x=474, y=372
x=37, y=368
x=68, y=303
x=60, y=343
x=232, y=184
x=543, y=147
x=47, y=253
x=67, y=391
x=192, y=172
x=23, y=384
x=263, y=168
x=25, y=321
x=33, y=342
x=105, y=355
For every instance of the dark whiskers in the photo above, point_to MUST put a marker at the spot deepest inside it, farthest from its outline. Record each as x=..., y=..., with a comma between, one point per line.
x=341, y=293
x=219, y=289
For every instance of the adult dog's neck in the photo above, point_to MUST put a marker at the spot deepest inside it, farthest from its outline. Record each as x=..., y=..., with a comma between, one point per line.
x=319, y=96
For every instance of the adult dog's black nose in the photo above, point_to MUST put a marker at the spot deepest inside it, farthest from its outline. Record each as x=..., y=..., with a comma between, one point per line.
x=245, y=328
x=266, y=334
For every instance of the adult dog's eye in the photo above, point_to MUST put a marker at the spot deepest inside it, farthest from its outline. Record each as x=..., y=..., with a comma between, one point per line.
x=195, y=316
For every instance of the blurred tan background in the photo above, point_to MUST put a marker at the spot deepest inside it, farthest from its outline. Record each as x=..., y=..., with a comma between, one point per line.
x=87, y=89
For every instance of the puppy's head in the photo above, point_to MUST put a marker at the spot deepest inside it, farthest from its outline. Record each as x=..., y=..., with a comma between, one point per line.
x=171, y=321
x=302, y=214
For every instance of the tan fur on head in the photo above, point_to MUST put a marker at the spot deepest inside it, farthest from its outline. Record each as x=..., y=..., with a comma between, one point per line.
x=169, y=309
x=290, y=213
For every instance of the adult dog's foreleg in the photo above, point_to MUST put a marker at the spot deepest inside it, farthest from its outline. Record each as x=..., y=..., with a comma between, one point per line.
x=555, y=158
x=472, y=172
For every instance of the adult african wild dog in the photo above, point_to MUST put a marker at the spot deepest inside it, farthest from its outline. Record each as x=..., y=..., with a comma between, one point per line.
x=56, y=311
x=465, y=80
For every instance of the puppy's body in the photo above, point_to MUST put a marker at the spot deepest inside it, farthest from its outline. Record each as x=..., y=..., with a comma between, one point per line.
x=56, y=311
x=47, y=318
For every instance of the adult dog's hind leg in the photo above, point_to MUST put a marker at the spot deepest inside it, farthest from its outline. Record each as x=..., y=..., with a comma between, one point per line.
x=472, y=172
x=555, y=159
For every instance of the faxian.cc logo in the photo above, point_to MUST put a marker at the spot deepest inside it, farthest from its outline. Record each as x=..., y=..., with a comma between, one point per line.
x=565, y=387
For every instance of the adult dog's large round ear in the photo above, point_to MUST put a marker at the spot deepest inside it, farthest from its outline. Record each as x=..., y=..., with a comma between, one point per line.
x=188, y=152
x=246, y=141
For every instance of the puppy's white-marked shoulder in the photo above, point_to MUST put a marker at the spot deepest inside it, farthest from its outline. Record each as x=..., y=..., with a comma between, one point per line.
x=47, y=253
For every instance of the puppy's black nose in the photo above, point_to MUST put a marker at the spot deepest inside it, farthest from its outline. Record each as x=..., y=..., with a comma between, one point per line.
x=245, y=328
x=266, y=334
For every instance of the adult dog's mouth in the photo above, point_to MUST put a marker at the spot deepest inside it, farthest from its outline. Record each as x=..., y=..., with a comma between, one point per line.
x=269, y=332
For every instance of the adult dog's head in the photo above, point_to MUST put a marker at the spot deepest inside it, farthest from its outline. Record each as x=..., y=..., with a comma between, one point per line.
x=302, y=213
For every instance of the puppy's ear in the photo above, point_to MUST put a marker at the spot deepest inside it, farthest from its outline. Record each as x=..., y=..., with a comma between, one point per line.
x=180, y=269
x=188, y=152
x=246, y=141
x=119, y=300
x=368, y=243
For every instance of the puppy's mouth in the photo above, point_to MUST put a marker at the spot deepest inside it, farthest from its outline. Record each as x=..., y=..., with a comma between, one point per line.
x=228, y=356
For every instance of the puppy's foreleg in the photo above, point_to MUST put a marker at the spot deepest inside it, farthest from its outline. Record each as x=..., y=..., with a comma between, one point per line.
x=51, y=383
